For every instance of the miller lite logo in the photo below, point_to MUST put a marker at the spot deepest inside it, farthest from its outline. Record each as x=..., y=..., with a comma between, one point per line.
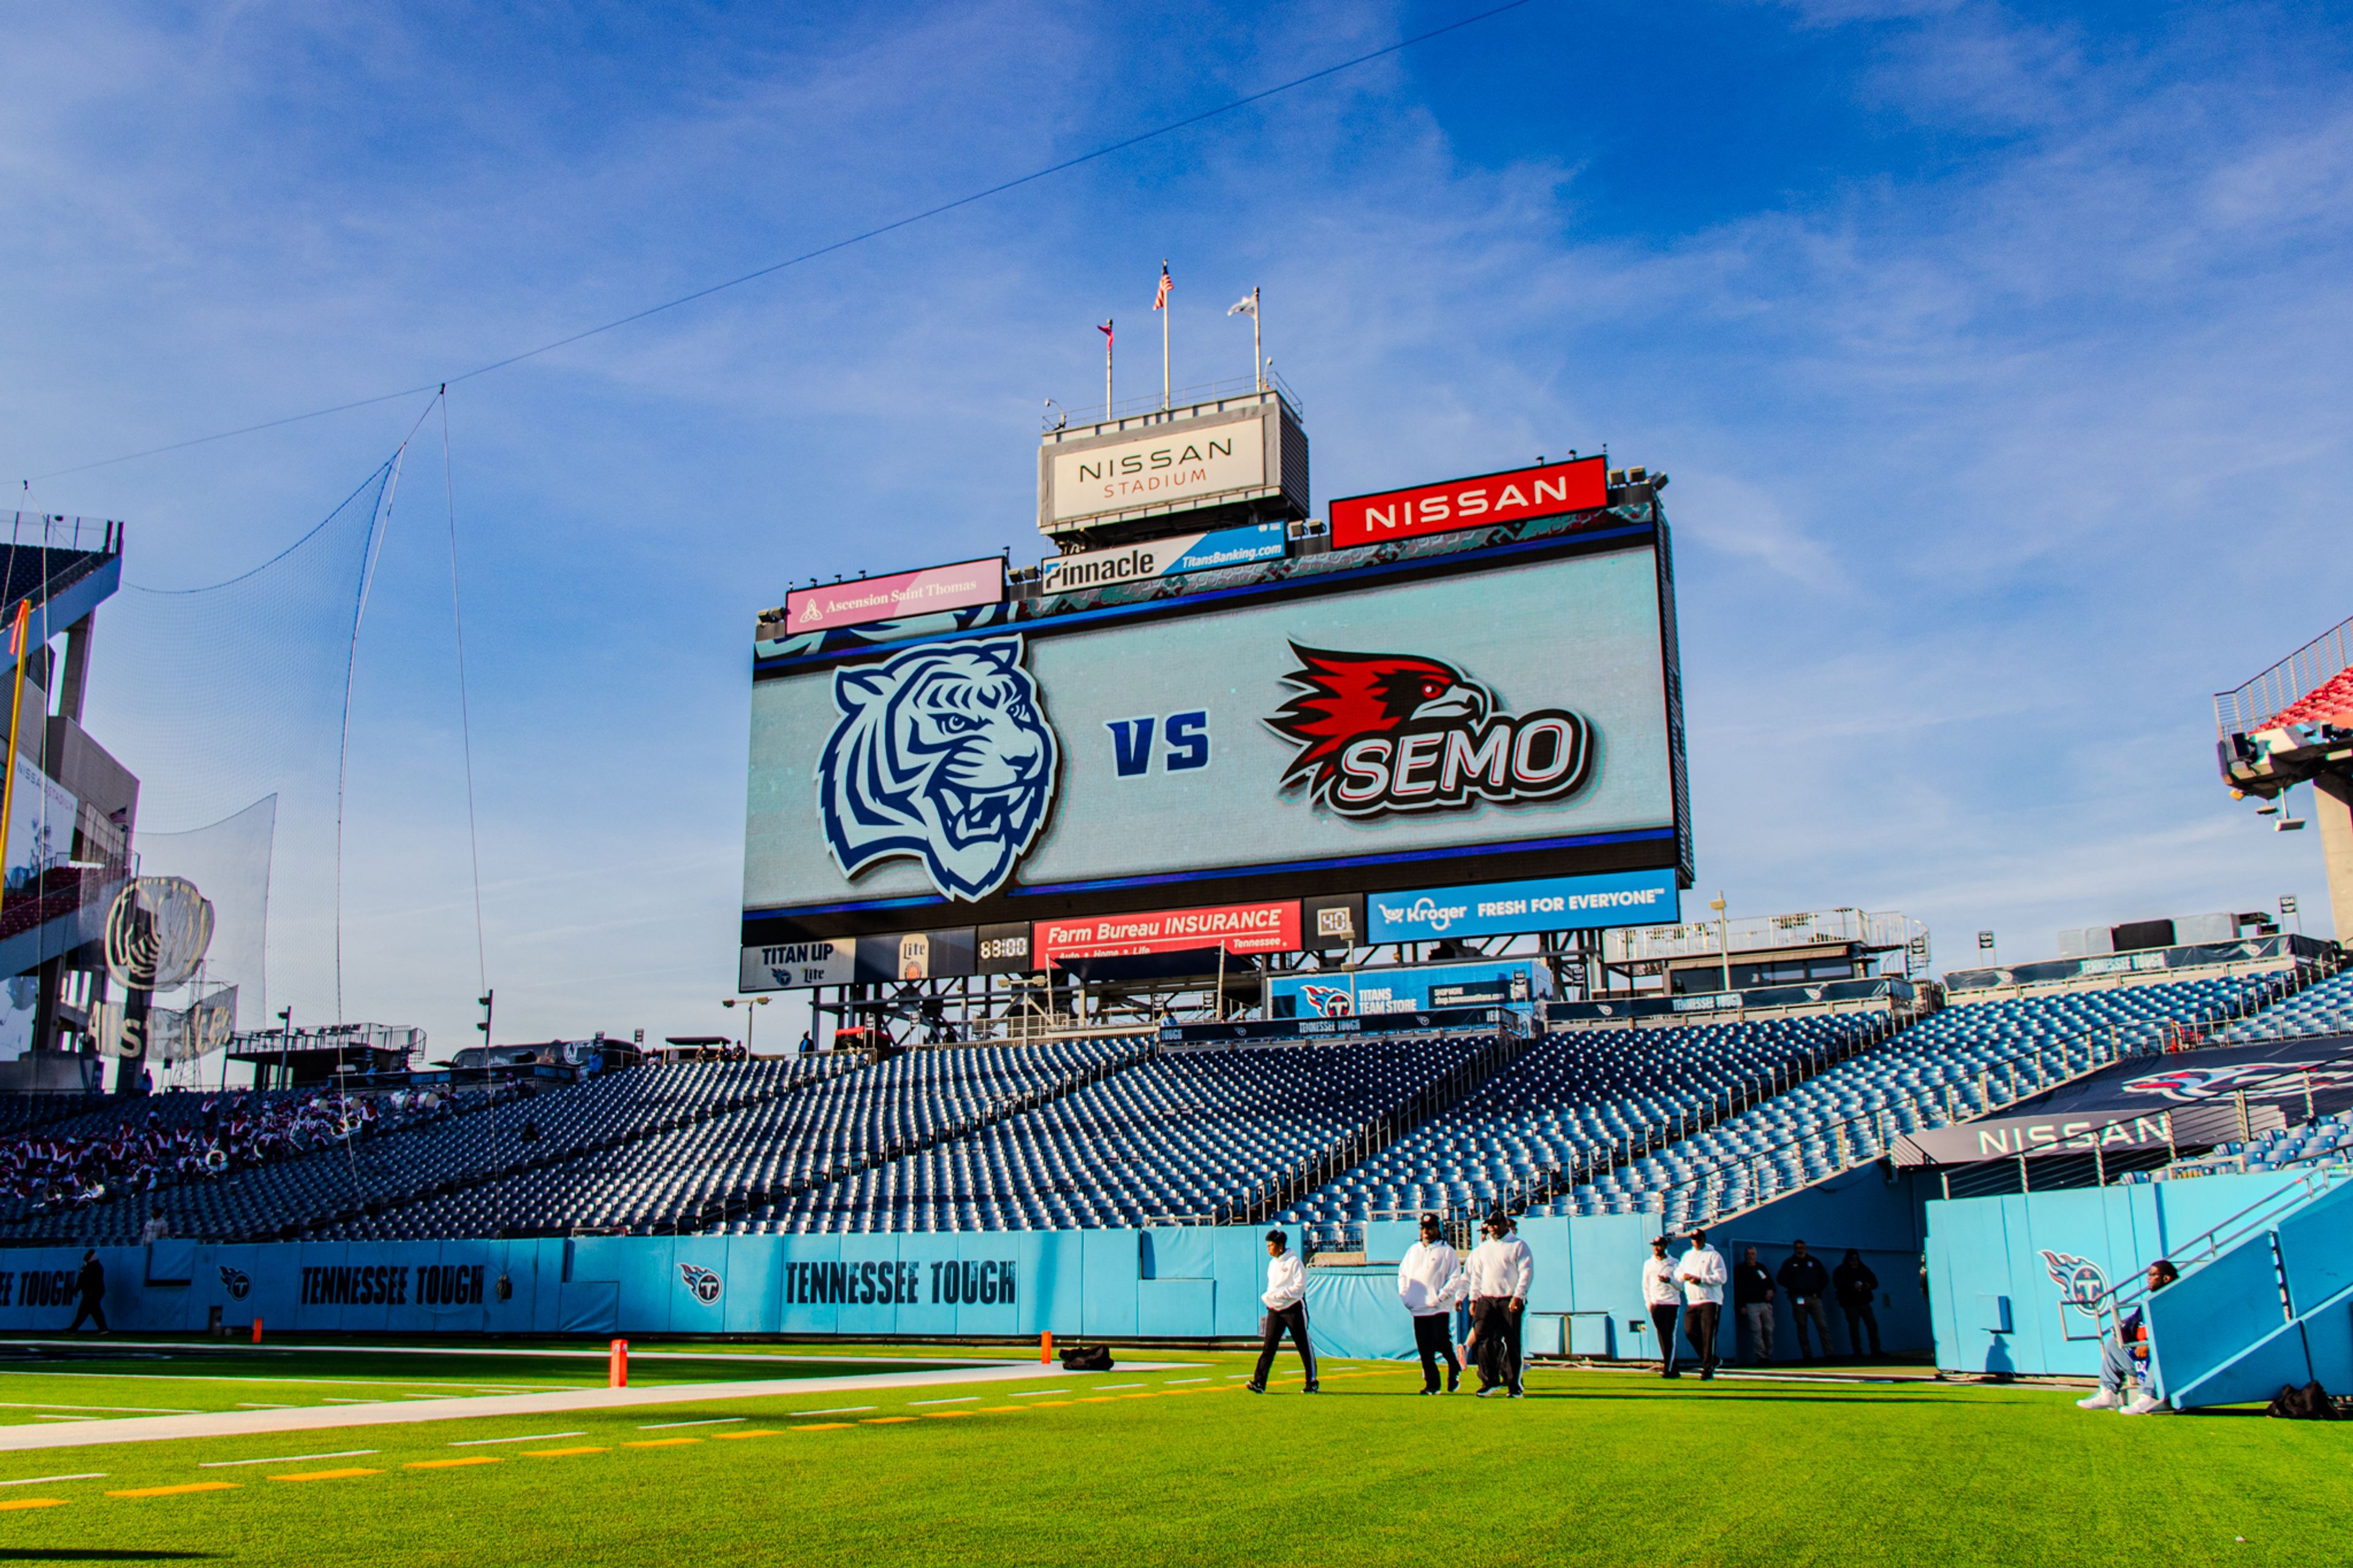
x=702, y=1284
x=235, y=1282
x=1381, y=733
x=2080, y=1280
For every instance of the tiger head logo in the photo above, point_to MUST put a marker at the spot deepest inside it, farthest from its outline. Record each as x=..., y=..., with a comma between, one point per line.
x=702, y=1284
x=943, y=755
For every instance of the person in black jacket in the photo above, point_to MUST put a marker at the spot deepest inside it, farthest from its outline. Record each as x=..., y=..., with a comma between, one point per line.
x=1856, y=1284
x=1752, y=1296
x=92, y=1281
x=1804, y=1278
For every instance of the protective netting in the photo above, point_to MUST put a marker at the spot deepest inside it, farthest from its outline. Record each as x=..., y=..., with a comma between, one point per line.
x=228, y=701
x=229, y=862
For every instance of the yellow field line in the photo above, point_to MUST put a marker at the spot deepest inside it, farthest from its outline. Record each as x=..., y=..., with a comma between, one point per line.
x=944, y=1415
x=825, y=1427
x=557, y=1453
x=884, y=1420
x=739, y=1436
x=178, y=1491
x=662, y=1443
x=325, y=1475
x=16, y=1502
x=453, y=1464
x=1050, y=1405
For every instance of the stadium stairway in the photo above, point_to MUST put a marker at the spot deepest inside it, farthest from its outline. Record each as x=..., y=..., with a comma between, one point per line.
x=2271, y=1307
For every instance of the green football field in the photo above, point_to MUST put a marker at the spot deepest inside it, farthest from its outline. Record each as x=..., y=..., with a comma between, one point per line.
x=1149, y=1465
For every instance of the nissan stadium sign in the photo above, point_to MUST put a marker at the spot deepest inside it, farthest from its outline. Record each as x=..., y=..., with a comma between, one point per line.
x=1181, y=466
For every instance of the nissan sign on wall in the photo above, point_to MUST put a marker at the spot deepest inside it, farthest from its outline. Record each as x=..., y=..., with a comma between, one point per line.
x=1514, y=496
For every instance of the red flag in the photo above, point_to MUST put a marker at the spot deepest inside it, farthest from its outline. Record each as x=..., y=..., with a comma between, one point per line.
x=1105, y=331
x=1160, y=300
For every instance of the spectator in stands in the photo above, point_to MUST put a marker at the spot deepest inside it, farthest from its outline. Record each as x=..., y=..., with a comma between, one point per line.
x=1286, y=1308
x=92, y=1284
x=156, y=1228
x=1429, y=1282
x=1752, y=1296
x=1702, y=1274
x=2125, y=1353
x=1807, y=1282
x=1664, y=1297
x=1501, y=1274
x=1856, y=1285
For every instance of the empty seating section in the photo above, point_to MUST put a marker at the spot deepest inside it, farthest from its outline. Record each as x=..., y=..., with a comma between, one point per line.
x=1576, y=1096
x=682, y=1177
x=2327, y=1140
x=1186, y=1134
x=1951, y=1066
x=2325, y=1008
x=523, y=1124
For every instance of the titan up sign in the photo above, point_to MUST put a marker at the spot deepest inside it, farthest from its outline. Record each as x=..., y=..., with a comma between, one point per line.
x=1513, y=495
x=902, y=593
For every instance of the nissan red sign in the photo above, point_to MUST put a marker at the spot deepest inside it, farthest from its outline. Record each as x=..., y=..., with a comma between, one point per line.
x=1489, y=499
x=1237, y=928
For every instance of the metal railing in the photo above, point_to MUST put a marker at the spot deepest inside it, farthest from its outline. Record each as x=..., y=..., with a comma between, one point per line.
x=2246, y=710
x=1178, y=400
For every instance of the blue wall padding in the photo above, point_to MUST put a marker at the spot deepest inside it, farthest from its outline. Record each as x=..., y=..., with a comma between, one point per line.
x=1180, y=1252
x=2315, y=1246
x=1175, y=1308
x=1355, y=1312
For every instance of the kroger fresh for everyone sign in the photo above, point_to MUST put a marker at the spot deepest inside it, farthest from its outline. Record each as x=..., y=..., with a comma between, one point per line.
x=924, y=593
x=1162, y=557
x=1504, y=909
x=1174, y=469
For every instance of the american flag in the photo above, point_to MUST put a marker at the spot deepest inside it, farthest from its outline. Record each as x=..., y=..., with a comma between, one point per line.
x=1160, y=300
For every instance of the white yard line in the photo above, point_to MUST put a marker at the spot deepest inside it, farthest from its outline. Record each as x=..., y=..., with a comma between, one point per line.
x=532, y=1437
x=843, y=1410
x=44, y=1480
x=283, y=1458
x=316, y=1418
x=705, y=1421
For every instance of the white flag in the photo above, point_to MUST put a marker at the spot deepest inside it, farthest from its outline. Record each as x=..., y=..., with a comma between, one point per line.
x=1245, y=306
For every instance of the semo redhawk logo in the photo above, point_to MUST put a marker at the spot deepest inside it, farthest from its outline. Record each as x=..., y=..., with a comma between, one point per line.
x=1381, y=731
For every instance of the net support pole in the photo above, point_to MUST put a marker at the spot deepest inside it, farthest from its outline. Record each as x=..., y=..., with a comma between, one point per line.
x=16, y=635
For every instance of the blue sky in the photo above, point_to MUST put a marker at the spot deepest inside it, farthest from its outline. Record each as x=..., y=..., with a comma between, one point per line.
x=2000, y=359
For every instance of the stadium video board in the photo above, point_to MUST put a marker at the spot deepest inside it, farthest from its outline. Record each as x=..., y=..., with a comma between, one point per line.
x=1478, y=716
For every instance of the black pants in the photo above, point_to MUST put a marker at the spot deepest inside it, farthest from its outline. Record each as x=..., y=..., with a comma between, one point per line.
x=1858, y=1317
x=1699, y=1327
x=1293, y=1317
x=92, y=1309
x=1499, y=1343
x=1434, y=1338
x=1662, y=1318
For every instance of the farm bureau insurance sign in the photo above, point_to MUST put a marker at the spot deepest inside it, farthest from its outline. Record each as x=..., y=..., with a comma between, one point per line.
x=1238, y=927
x=1480, y=502
x=1160, y=470
x=924, y=593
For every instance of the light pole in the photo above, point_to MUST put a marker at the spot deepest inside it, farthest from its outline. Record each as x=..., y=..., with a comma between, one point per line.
x=749, y=1003
x=1724, y=936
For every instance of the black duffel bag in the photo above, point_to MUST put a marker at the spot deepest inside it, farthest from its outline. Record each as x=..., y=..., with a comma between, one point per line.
x=1087, y=1358
x=2310, y=1402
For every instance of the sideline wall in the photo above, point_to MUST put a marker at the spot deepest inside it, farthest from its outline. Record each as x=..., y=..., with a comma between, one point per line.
x=1163, y=1282
x=1996, y=1265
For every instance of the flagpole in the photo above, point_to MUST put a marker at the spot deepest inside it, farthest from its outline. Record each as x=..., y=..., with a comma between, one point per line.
x=1258, y=349
x=15, y=723
x=1109, y=321
x=1164, y=398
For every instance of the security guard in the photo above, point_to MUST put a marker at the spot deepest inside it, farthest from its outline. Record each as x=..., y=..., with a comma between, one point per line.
x=1286, y=1308
x=1501, y=1271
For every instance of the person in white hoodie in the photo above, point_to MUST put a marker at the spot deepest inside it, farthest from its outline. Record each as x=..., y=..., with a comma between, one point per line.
x=1286, y=1308
x=1664, y=1297
x=1703, y=1274
x=1500, y=1273
x=1429, y=1282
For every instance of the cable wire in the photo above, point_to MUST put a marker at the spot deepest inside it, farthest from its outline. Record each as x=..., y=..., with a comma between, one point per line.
x=1067, y=165
x=465, y=716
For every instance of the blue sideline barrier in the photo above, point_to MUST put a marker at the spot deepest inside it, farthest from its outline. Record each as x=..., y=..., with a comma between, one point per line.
x=1163, y=1282
x=2003, y=1271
